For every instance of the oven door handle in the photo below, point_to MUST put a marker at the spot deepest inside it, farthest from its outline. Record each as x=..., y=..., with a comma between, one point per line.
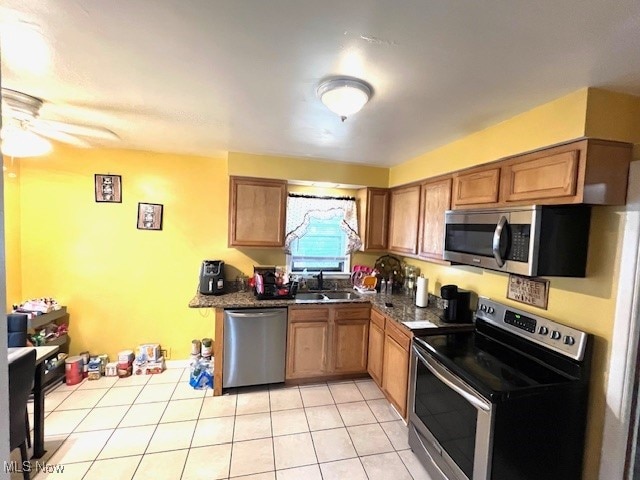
x=497, y=235
x=449, y=380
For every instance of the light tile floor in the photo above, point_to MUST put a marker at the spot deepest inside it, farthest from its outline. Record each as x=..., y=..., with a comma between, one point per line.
x=159, y=427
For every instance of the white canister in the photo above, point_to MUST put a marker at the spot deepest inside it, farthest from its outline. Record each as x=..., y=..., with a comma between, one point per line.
x=422, y=292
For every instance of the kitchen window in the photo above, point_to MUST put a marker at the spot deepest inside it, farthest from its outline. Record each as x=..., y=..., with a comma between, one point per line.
x=321, y=234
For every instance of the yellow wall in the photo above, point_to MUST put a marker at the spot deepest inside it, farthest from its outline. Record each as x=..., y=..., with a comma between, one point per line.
x=125, y=286
x=12, y=229
x=586, y=303
x=560, y=120
x=293, y=168
x=613, y=116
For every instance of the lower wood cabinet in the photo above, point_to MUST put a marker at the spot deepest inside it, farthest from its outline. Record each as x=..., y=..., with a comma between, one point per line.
x=350, y=346
x=376, y=349
x=308, y=342
x=327, y=341
x=389, y=355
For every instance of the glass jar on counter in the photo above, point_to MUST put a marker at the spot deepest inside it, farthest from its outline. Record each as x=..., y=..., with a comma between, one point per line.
x=241, y=283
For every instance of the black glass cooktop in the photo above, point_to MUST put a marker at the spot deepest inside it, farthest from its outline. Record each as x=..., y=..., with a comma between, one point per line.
x=489, y=367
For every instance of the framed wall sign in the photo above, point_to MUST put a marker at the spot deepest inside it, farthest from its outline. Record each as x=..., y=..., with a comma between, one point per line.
x=108, y=188
x=149, y=216
x=532, y=291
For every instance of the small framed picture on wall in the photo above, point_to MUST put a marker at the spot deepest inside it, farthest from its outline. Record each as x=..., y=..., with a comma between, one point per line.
x=150, y=216
x=108, y=188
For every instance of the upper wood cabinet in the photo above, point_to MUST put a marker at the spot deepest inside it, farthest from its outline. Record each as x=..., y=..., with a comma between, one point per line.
x=478, y=186
x=435, y=200
x=373, y=218
x=588, y=171
x=551, y=176
x=404, y=214
x=257, y=209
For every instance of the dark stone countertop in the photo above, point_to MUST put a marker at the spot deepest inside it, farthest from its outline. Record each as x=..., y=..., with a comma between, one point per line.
x=404, y=311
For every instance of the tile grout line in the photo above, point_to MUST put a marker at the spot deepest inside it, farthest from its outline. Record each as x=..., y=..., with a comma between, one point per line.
x=154, y=430
x=233, y=429
x=273, y=444
x=313, y=444
x=358, y=456
x=116, y=427
x=193, y=434
x=96, y=407
x=89, y=431
x=235, y=415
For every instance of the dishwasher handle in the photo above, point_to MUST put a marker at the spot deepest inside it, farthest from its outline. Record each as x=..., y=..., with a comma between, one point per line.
x=255, y=314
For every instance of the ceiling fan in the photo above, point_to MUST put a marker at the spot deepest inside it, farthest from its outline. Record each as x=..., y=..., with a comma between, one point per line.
x=25, y=134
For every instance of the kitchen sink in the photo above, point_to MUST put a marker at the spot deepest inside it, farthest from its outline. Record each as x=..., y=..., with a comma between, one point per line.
x=326, y=296
x=309, y=296
x=341, y=295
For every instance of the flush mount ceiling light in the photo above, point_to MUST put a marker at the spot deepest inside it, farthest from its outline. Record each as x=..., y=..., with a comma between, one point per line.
x=344, y=96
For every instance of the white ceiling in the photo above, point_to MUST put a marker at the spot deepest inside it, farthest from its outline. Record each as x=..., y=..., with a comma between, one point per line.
x=205, y=76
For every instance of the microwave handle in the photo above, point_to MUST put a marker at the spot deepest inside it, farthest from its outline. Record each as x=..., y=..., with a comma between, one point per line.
x=497, y=235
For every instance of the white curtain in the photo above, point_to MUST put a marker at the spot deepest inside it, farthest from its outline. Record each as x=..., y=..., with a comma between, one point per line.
x=301, y=208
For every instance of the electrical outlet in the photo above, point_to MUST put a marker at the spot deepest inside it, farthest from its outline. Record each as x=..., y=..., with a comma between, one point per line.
x=167, y=353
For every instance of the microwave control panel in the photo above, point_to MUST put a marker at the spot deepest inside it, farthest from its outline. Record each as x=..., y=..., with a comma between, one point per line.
x=520, y=235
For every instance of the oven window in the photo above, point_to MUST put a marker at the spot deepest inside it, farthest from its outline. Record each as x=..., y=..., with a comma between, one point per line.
x=475, y=239
x=448, y=416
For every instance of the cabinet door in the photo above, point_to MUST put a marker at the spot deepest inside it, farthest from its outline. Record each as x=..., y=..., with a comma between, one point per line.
x=374, y=218
x=548, y=177
x=350, y=341
x=403, y=219
x=395, y=379
x=476, y=187
x=435, y=199
x=376, y=352
x=257, y=209
x=307, y=349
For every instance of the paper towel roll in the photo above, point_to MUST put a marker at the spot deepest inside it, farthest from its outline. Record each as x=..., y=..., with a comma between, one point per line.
x=422, y=292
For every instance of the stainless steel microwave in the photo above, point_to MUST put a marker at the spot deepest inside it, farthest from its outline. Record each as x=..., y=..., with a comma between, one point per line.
x=537, y=240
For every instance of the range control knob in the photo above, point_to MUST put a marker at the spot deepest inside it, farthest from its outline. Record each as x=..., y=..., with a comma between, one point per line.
x=543, y=331
x=568, y=340
x=490, y=310
x=555, y=335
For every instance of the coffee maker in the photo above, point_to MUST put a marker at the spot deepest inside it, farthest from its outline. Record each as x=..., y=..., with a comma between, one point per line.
x=457, y=304
x=212, y=277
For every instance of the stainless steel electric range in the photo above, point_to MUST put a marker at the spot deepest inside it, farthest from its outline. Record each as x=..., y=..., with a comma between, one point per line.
x=506, y=401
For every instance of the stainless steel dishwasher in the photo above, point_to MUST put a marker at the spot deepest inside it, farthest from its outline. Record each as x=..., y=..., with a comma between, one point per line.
x=254, y=346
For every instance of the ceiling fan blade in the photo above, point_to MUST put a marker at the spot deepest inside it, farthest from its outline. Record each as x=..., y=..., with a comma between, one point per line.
x=58, y=135
x=75, y=129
